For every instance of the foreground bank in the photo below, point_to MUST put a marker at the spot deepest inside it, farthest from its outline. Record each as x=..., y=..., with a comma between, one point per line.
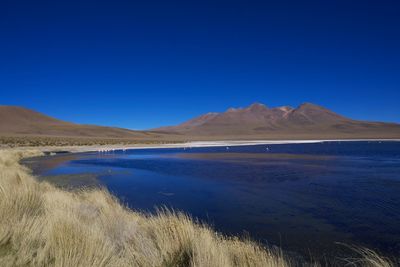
x=41, y=225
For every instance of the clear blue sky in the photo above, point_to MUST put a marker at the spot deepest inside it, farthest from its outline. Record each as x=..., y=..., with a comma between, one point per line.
x=143, y=64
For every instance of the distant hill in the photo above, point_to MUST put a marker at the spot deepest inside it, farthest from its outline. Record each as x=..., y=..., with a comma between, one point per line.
x=308, y=121
x=18, y=121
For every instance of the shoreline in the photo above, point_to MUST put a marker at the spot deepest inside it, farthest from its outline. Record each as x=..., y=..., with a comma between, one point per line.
x=191, y=144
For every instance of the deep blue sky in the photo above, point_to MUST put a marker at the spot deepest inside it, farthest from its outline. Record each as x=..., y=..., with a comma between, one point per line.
x=143, y=64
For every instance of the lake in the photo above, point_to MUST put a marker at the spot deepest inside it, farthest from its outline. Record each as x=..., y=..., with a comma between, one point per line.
x=302, y=197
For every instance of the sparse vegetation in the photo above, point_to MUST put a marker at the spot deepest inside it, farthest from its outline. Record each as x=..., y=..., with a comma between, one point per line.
x=41, y=225
x=40, y=141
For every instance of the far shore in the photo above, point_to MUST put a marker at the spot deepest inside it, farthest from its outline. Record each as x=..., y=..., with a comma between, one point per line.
x=191, y=144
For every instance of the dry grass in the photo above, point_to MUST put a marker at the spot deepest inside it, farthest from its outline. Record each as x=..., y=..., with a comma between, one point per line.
x=41, y=225
x=44, y=226
x=366, y=258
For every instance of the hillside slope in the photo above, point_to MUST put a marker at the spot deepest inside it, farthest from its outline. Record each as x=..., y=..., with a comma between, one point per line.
x=21, y=121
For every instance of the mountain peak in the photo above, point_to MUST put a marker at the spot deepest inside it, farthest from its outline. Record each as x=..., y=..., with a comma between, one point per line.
x=231, y=109
x=257, y=107
x=285, y=108
x=310, y=105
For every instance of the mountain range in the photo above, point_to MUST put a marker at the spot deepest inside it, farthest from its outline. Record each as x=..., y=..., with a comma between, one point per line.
x=257, y=121
x=304, y=122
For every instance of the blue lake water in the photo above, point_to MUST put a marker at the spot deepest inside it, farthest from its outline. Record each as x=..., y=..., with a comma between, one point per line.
x=302, y=197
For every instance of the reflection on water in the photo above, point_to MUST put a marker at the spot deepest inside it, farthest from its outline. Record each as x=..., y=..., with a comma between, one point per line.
x=303, y=197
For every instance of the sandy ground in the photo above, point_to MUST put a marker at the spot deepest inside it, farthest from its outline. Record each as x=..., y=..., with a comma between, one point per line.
x=104, y=148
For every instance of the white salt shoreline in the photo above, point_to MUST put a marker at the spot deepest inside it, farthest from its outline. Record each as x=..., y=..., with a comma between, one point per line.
x=99, y=148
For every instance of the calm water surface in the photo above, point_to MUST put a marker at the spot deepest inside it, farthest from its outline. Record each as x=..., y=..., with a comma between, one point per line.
x=302, y=197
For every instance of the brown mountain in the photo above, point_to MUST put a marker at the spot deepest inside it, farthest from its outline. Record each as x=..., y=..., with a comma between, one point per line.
x=18, y=121
x=308, y=121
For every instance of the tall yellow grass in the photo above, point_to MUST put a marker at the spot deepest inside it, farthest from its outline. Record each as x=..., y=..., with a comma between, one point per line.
x=41, y=225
